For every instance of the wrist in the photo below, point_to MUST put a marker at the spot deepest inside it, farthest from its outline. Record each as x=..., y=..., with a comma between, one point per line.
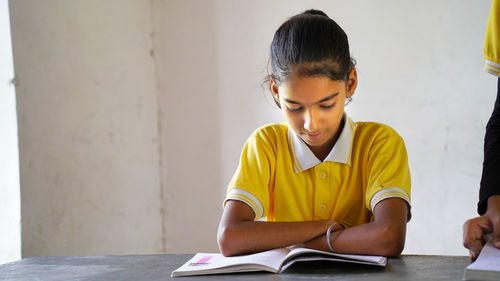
x=493, y=204
x=332, y=233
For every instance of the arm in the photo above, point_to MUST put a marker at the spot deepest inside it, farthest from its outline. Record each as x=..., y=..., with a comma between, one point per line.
x=490, y=178
x=384, y=236
x=475, y=229
x=489, y=193
x=240, y=234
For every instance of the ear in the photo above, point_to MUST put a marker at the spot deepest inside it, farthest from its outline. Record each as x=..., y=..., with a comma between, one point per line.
x=275, y=91
x=352, y=82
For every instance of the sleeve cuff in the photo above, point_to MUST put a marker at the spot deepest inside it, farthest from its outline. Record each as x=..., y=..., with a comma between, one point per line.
x=492, y=67
x=248, y=198
x=389, y=192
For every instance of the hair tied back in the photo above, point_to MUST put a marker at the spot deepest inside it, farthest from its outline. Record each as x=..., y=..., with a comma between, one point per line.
x=315, y=12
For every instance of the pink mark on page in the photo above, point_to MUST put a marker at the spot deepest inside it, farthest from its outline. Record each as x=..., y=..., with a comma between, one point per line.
x=202, y=261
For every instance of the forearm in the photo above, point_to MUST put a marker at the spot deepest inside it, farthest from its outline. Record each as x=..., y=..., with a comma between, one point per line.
x=365, y=239
x=240, y=234
x=385, y=236
x=370, y=239
x=490, y=178
x=253, y=236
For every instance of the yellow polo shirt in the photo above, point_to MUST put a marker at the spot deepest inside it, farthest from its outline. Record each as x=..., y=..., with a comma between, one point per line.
x=492, y=40
x=282, y=180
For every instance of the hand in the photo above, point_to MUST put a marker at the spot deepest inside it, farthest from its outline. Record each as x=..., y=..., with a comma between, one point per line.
x=475, y=229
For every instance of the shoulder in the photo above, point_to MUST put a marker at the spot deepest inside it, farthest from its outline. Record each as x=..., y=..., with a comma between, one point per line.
x=264, y=144
x=374, y=130
x=270, y=133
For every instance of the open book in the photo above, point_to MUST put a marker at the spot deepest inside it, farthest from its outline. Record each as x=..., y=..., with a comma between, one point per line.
x=487, y=264
x=275, y=261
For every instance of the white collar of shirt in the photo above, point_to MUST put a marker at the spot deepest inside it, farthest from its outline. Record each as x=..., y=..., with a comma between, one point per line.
x=341, y=152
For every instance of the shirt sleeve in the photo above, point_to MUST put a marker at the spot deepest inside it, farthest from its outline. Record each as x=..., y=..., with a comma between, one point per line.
x=251, y=181
x=490, y=179
x=492, y=40
x=388, y=170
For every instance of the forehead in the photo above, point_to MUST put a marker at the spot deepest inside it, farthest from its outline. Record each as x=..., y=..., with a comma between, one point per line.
x=310, y=89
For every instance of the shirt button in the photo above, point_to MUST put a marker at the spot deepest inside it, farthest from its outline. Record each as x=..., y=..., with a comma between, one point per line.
x=322, y=175
x=322, y=207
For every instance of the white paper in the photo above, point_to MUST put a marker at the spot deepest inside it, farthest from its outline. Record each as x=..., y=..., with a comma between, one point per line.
x=489, y=258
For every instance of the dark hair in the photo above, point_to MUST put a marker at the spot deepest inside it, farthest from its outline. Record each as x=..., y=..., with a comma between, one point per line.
x=310, y=44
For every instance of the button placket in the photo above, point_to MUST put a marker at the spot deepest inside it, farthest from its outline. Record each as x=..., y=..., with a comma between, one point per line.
x=323, y=192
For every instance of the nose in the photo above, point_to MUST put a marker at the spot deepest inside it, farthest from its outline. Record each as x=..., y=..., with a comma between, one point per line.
x=311, y=121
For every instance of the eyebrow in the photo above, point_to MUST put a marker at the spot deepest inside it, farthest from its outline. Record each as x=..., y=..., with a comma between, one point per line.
x=320, y=101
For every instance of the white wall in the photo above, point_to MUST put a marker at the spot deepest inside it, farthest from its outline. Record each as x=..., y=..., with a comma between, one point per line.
x=88, y=138
x=10, y=212
x=132, y=114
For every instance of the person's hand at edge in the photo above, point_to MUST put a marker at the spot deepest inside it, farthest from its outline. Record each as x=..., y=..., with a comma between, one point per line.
x=475, y=229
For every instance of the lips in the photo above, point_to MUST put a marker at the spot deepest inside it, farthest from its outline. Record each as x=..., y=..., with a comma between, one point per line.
x=314, y=136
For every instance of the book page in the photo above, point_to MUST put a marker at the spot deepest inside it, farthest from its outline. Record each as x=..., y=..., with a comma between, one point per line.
x=378, y=260
x=207, y=263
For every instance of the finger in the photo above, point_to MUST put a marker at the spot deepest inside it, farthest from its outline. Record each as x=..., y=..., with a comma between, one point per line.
x=471, y=231
x=472, y=256
x=474, y=247
x=476, y=228
x=473, y=236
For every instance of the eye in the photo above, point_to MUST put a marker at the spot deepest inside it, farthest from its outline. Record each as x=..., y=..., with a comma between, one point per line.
x=295, y=110
x=328, y=106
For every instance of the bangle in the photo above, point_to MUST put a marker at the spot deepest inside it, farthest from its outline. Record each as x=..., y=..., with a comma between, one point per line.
x=328, y=235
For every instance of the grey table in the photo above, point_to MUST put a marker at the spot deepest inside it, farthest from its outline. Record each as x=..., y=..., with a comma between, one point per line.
x=159, y=267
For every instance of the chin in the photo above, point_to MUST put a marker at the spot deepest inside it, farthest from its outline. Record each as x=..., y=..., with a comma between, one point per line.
x=313, y=143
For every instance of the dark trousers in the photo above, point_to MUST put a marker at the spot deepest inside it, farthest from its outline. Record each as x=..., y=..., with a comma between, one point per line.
x=490, y=179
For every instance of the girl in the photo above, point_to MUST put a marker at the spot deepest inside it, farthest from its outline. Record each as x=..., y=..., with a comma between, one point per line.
x=319, y=180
